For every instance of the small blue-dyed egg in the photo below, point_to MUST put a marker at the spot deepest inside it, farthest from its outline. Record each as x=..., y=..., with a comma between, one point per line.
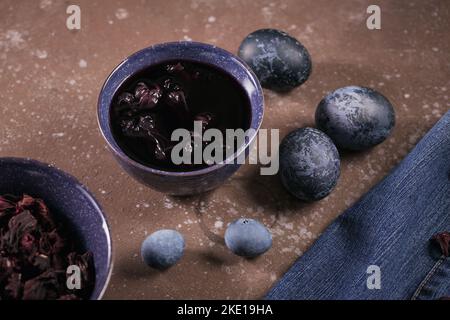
x=248, y=238
x=163, y=248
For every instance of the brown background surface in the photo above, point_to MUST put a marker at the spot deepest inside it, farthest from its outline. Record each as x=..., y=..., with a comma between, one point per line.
x=50, y=78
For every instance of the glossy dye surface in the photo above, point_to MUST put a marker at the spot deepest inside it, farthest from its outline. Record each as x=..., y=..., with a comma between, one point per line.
x=172, y=95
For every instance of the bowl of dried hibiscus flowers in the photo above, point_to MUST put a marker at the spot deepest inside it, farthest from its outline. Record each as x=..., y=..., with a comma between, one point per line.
x=54, y=238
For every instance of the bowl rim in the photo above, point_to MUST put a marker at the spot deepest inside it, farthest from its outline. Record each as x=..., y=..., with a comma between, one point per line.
x=99, y=209
x=177, y=44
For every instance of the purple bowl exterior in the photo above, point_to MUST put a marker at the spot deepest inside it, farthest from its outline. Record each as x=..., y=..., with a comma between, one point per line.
x=179, y=183
x=70, y=201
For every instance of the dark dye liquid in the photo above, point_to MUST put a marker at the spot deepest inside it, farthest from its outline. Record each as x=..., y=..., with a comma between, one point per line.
x=150, y=105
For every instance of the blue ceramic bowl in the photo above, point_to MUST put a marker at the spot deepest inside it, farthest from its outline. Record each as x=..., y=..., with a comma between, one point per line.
x=70, y=201
x=189, y=182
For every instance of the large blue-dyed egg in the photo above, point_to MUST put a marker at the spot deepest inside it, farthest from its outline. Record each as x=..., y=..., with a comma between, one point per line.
x=356, y=118
x=279, y=61
x=309, y=164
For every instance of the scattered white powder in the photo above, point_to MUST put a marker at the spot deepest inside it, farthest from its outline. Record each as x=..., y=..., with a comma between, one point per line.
x=227, y=269
x=82, y=63
x=121, y=13
x=289, y=226
x=218, y=224
x=44, y=4
x=58, y=135
x=168, y=203
x=267, y=13
x=11, y=39
x=41, y=54
x=212, y=19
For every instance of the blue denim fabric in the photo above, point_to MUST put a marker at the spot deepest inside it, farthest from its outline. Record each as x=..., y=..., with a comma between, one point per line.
x=390, y=227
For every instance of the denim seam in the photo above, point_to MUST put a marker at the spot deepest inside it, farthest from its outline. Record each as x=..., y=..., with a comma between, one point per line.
x=428, y=277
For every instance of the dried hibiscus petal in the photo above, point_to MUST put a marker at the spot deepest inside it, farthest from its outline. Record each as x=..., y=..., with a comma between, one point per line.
x=126, y=99
x=6, y=268
x=51, y=243
x=13, y=286
x=28, y=242
x=41, y=262
x=26, y=202
x=57, y=241
x=69, y=297
x=443, y=240
x=174, y=68
x=37, y=207
x=6, y=264
x=34, y=253
x=45, y=286
x=147, y=97
x=5, y=205
x=18, y=225
x=43, y=215
x=85, y=263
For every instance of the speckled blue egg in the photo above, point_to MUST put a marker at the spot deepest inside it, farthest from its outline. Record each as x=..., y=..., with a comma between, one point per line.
x=309, y=164
x=162, y=249
x=248, y=238
x=280, y=61
x=356, y=118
